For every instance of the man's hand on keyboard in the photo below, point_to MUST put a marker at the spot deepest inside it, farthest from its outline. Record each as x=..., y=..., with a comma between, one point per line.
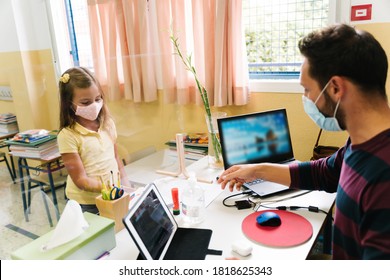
x=237, y=175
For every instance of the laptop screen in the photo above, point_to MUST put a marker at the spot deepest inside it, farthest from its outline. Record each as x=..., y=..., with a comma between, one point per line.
x=150, y=224
x=255, y=138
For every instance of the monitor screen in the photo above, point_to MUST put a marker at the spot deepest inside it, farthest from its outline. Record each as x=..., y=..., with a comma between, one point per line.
x=255, y=138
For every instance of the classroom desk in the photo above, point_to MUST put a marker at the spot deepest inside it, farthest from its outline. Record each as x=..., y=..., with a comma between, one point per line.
x=143, y=171
x=6, y=136
x=47, y=166
x=224, y=221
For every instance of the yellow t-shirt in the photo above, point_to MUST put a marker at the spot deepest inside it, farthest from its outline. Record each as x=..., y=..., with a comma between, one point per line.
x=96, y=150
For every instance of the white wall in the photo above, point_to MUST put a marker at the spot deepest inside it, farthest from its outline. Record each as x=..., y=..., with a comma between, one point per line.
x=8, y=33
x=23, y=25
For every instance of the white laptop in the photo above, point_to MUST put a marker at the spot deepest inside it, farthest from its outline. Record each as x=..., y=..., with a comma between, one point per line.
x=157, y=235
x=255, y=138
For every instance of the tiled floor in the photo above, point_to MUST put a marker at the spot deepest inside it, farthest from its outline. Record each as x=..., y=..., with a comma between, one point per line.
x=14, y=230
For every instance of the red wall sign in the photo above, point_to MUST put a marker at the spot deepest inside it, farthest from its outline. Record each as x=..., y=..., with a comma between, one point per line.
x=361, y=12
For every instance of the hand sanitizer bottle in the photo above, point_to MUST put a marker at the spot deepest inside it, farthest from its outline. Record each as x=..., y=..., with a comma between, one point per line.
x=193, y=206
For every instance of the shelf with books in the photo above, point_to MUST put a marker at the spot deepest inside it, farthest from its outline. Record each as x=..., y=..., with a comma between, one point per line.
x=8, y=123
x=194, y=143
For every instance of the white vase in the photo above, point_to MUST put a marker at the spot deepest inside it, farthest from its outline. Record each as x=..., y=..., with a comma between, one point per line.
x=214, y=146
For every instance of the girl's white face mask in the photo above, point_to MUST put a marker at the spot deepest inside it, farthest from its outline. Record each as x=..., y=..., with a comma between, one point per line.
x=89, y=112
x=326, y=123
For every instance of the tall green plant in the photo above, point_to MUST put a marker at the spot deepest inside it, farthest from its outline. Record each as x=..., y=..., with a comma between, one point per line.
x=187, y=61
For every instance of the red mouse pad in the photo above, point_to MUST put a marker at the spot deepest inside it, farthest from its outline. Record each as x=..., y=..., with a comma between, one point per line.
x=294, y=229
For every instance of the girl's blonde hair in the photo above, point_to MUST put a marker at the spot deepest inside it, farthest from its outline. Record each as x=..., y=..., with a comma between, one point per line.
x=78, y=77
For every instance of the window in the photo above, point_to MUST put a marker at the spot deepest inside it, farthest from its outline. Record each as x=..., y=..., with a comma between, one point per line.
x=78, y=26
x=273, y=29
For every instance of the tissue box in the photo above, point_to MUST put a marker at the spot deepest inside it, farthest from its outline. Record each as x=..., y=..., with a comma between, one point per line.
x=98, y=238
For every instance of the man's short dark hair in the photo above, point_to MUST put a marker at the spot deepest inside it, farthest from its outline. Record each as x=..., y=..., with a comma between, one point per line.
x=344, y=51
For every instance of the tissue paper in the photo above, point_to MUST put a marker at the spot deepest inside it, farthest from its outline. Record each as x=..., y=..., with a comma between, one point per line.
x=71, y=225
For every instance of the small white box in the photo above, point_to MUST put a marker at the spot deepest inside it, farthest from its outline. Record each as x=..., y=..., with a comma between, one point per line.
x=242, y=248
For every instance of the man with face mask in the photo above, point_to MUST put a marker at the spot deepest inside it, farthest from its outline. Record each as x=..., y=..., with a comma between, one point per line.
x=343, y=75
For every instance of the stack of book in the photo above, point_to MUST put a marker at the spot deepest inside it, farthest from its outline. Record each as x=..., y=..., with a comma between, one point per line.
x=8, y=123
x=195, y=144
x=31, y=136
x=35, y=143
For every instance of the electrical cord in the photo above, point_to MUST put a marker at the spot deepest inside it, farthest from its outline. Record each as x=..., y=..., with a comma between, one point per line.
x=261, y=202
x=293, y=208
x=240, y=204
x=249, y=203
x=282, y=199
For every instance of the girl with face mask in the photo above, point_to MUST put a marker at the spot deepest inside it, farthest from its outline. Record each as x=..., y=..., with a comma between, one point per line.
x=87, y=138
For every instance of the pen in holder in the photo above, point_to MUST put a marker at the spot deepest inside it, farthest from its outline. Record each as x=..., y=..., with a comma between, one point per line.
x=182, y=167
x=113, y=203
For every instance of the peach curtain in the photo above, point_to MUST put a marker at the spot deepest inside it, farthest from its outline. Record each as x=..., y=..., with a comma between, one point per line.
x=133, y=54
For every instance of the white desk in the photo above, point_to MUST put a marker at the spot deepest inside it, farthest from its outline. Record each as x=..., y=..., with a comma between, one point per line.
x=143, y=171
x=224, y=221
